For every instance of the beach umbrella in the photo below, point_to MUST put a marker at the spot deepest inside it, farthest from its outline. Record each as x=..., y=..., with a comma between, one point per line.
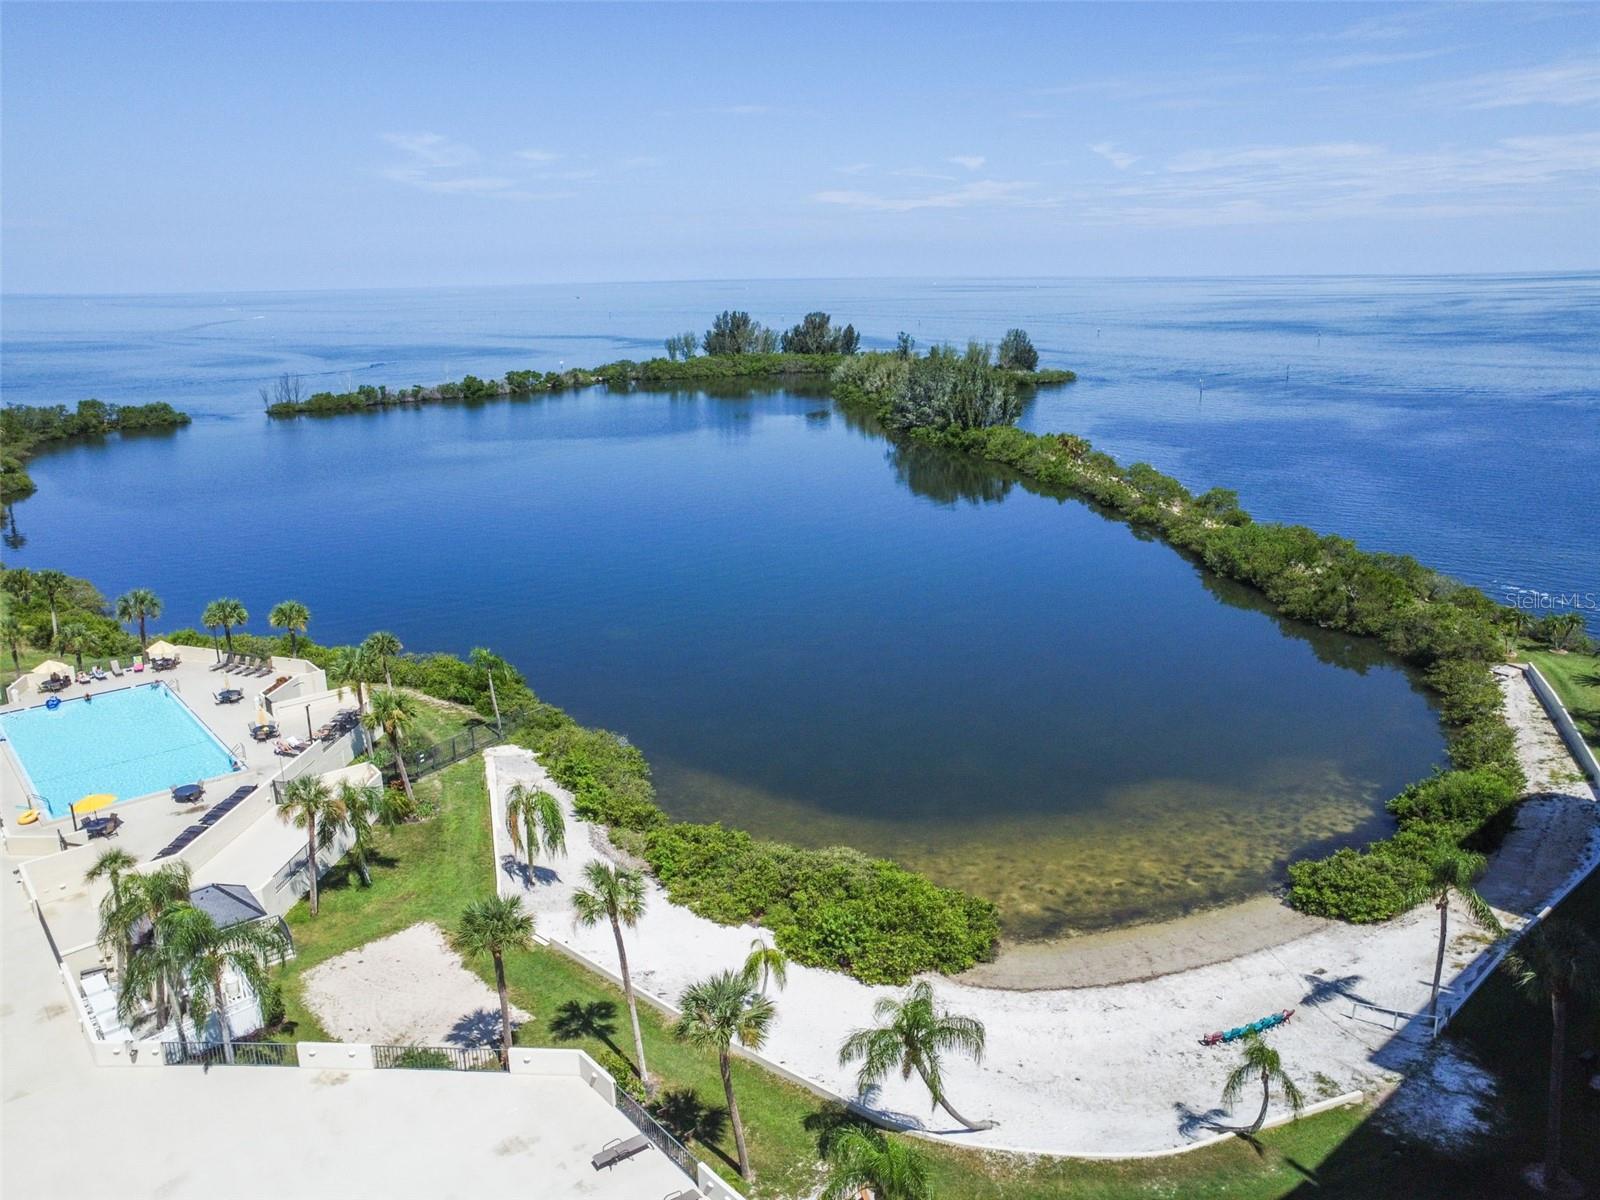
x=91, y=804
x=162, y=650
x=50, y=667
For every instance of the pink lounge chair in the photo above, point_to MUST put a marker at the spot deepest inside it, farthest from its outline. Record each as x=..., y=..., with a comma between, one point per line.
x=138, y=665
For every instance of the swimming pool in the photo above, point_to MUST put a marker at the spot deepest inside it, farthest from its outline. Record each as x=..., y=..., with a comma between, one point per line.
x=131, y=742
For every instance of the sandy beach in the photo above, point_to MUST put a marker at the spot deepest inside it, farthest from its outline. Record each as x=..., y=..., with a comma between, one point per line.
x=1079, y=1061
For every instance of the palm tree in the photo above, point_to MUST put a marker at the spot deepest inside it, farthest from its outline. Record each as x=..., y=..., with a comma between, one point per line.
x=913, y=1038
x=1563, y=628
x=715, y=1012
x=225, y=614
x=11, y=635
x=393, y=712
x=74, y=639
x=205, y=954
x=366, y=806
x=616, y=894
x=1260, y=1060
x=1451, y=874
x=352, y=665
x=305, y=803
x=138, y=903
x=293, y=616
x=766, y=962
x=1557, y=961
x=138, y=604
x=112, y=866
x=865, y=1163
x=481, y=657
x=383, y=646
x=51, y=584
x=534, y=819
x=492, y=927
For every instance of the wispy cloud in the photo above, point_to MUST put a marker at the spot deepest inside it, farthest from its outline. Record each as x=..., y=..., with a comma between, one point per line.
x=432, y=150
x=1377, y=58
x=860, y=168
x=639, y=162
x=1120, y=159
x=432, y=162
x=971, y=162
x=1564, y=84
x=979, y=193
x=537, y=156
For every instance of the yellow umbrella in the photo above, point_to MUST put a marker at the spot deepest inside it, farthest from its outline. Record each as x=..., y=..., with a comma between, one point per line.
x=162, y=650
x=261, y=716
x=51, y=667
x=93, y=803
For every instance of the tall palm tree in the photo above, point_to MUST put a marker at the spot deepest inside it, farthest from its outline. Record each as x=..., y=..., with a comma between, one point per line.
x=481, y=657
x=766, y=962
x=137, y=906
x=50, y=584
x=865, y=1163
x=616, y=894
x=534, y=819
x=1563, y=628
x=494, y=926
x=11, y=635
x=393, y=712
x=383, y=646
x=138, y=604
x=73, y=639
x=913, y=1037
x=1260, y=1060
x=366, y=806
x=352, y=665
x=111, y=866
x=1557, y=961
x=205, y=954
x=225, y=614
x=306, y=803
x=1451, y=873
x=715, y=1012
x=293, y=616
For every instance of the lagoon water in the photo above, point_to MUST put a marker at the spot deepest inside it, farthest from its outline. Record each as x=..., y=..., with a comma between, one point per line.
x=817, y=636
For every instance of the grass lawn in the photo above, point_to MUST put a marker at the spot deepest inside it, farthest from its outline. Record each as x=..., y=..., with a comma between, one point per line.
x=431, y=870
x=1576, y=679
x=30, y=659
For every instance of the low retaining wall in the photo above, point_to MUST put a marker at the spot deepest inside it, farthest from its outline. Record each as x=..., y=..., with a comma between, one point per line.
x=1565, y=726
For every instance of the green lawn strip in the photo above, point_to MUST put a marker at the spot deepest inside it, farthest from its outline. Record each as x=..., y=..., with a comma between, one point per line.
x=1576, y=679
x=30, y=659
x=431, y=870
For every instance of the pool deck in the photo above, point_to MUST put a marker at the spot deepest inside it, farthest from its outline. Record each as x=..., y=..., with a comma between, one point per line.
x=194, y=682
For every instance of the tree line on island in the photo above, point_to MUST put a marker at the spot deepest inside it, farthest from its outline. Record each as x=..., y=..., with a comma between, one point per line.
x=736, y=347
x=24, y=428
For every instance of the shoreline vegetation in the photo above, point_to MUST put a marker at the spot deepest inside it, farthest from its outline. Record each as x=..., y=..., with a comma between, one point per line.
x=25, y=427
x=736, y=349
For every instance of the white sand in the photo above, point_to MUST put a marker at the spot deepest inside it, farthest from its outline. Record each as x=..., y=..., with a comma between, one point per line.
x=407, y=988
x=1089, y=1070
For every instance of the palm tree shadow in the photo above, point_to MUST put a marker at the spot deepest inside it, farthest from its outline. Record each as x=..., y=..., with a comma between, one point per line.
x=1326, y=989
x=528, y=877
x=870, y=1109
x=480, y=1028
x=689, y=1118
x=546, y=875
x=828, y=1122
x=597, y=1019
x=1192, y=1122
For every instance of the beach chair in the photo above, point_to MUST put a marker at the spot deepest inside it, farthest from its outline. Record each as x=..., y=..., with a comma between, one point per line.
x=617, y=1150
x=222, y=664
x=116, y=668
x=138, y=664
x=85, y=677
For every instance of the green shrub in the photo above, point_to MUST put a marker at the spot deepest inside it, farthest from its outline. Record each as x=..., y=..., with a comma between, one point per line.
x=1455, y=798
x=1350, y=885
x=834, y=908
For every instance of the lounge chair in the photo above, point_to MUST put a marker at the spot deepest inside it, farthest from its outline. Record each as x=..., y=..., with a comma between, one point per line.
x=290, y=747
x=222, y=664
x=617, y=1150
x=138, y=665
x=116, y=668
x=84, y=677
x=263, y=667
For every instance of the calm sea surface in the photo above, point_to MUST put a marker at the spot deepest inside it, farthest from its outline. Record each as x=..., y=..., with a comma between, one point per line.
x=816, y=636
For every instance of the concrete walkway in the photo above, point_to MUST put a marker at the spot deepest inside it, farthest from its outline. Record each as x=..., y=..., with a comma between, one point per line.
x=1090, y=1071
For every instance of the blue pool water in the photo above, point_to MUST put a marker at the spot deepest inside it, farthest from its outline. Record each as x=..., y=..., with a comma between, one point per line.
x=129, y=743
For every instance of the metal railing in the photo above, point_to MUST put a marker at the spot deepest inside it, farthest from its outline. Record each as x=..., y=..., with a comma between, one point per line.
x=437, y=1058
x=659, y=1137
x=215, y=1054
x=424, y=760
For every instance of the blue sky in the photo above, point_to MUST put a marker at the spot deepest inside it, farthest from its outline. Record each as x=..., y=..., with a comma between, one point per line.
x=217, y=147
